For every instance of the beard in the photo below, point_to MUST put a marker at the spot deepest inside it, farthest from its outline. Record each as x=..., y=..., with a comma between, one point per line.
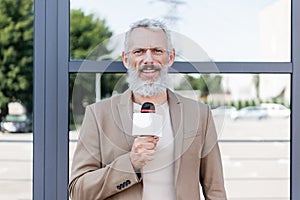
x=149, y=87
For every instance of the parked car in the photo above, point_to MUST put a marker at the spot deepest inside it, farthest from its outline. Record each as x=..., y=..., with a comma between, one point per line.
x=223, y=111
x=251, y=112
x=276, y=110
x=16, y=124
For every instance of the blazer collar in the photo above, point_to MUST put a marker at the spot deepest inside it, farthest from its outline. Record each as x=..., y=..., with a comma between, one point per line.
x=125, y=112
x=176, y=114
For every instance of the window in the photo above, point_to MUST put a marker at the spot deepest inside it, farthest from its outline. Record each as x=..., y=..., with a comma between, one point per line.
x=52, y=62
x=234, y=30
x=252, y=116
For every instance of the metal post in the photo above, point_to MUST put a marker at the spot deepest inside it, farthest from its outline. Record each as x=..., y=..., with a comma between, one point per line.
x=51, y=99
x=295, y=126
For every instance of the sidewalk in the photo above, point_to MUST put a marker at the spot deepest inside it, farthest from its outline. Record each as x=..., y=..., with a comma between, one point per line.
x=255, y=167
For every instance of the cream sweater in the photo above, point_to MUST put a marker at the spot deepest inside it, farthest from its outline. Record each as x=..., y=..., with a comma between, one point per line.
x=158, y=175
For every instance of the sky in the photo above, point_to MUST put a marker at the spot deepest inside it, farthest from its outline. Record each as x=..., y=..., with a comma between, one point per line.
x=231, y=30
x=226, y=30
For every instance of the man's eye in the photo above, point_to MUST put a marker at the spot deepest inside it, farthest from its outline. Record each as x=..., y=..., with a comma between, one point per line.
x=158, y=51
x=138, y=51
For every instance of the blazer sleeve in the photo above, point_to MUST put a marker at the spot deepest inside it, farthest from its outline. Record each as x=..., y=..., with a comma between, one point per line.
x=90, y=178
x=211, y=172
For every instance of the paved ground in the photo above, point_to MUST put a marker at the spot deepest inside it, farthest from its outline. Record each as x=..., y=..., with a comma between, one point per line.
x=255, y=158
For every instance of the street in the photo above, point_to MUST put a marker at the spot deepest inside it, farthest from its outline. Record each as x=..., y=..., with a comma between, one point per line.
x=255, y=155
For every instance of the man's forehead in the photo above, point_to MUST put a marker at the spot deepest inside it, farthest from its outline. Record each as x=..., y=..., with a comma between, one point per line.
x=146, y=37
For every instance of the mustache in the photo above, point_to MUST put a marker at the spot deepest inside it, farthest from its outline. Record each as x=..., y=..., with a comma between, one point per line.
x=149, y=67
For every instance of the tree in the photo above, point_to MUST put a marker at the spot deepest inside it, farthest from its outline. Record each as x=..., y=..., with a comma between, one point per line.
x=206, y=83
x=212, y=84
x=86, y=33
x=16, y=52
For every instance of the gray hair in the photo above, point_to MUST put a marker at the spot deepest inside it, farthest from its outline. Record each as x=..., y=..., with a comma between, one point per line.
x=151, y=24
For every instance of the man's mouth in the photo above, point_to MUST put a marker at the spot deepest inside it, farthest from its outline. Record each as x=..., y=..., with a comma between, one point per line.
x=149, y=70
x=149, y=73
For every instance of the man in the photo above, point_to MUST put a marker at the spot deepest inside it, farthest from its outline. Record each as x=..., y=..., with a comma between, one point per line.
x=109, y=163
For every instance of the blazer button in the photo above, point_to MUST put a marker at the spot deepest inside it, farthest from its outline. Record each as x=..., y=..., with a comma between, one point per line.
x=128, y=182
x=119, y=187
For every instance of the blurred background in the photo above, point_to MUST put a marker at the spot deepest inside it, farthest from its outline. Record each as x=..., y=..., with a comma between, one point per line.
x=251, y=111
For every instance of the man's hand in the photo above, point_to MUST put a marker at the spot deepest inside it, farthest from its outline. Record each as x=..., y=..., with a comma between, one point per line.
x=142, y=151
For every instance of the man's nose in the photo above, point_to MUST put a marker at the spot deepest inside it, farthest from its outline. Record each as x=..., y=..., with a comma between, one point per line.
x=148, y=60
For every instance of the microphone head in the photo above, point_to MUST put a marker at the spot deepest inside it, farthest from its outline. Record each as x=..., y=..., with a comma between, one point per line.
x=148, y=107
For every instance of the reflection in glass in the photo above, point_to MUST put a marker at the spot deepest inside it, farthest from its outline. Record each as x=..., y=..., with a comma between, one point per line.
x=86, y=33
x=255, y=150
x=254, y=30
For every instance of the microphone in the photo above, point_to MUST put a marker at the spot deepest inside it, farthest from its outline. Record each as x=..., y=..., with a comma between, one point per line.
x=148, y=107
x=147, y=122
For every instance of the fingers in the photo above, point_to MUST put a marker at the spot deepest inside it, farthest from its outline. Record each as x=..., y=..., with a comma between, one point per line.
x=146, y=142
x=141, y=146
x=140, y=159
x=143, y=150
x=147, y=139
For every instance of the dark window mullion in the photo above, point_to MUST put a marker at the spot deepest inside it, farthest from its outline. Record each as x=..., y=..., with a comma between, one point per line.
x=295, y=98
x=187, y=67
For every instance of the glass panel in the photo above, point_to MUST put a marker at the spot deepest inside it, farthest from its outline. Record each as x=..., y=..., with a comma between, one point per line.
x=16, y=92
x=253, y=30
x=251, y=113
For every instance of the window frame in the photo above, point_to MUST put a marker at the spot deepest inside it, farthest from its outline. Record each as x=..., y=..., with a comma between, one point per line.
x=51, y=86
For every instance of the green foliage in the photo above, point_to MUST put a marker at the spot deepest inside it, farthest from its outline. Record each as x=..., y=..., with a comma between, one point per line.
x=253, y=102
x=86, y=32
x=232, y=103
x=111, y=82
x=240, y=105
x=16, y=52
x=206, y=83
x=213, y=84
x=246, y=103
x=274, y=100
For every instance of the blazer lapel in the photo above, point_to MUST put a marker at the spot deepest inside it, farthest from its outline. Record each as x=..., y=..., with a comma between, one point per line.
x=176, y=113
x=124, y=113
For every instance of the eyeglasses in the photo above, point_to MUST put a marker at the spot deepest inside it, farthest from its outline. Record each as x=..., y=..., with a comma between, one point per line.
x=142, y=51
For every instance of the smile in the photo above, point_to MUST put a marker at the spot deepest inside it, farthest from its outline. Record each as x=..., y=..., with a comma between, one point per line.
x=149, y=70
x=149, y=73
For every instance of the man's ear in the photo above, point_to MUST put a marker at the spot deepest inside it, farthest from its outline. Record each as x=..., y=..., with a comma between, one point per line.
x=171, y=58
x=125, y=59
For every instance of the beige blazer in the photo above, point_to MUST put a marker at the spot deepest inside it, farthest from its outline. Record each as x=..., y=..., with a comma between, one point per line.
x=101, y=166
